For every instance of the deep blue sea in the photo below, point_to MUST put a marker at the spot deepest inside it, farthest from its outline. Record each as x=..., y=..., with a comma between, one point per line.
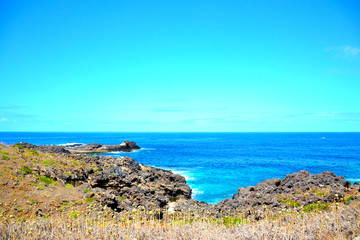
x=217, y=164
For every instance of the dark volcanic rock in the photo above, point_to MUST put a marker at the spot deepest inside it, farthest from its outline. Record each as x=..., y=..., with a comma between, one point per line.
x=52, y=149
x=76, y=177
x=45, y=148
x=26, y=145
x=301, y=188
x=87, y=147
x=126, y=146
x=142, y=185
x=120, y=183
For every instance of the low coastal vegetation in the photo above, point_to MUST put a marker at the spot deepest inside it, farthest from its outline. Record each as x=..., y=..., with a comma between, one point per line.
x=97, y=222
x=36, y=204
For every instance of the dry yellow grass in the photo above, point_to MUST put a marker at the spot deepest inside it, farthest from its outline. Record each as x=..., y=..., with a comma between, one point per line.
x=339, y=222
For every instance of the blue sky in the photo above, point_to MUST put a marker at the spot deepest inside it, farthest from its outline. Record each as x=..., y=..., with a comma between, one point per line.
x=234, y=66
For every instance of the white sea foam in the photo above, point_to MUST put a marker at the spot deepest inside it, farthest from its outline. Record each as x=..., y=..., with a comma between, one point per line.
x=196, y=192
x=146, y=149
x=70, y=144
x=184, y=174
x=118, y=152
x=177, y=172
x=142, y=149
x=353, y=179
x=133, y=151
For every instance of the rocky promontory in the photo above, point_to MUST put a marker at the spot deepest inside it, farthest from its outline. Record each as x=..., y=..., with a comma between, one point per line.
x=125, y=146
x=119, y=183
x=77, y=148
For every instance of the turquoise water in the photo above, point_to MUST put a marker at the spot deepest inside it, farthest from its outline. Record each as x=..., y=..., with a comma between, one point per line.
x=217, y=164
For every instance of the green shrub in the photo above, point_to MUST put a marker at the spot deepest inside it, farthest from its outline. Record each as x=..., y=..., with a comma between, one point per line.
x=290, y=203
x=75, y=163
x=4, y=152
x=68, y=203
x=47, y=180
x=230, y=221
x=86, y=190
x=46, y=163
x=19, y=146
x=321, y=194
x=316, y=207
x=69, y=186
x=74, y=214
x=90, y=200
x=33, y=151
x=349, y=199
x=5, y=157
x=26, y=170
x=120, y=197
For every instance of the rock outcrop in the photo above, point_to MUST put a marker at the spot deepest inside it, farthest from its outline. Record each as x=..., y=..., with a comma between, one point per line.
x=120, y=183
x=142, y=185
x=297, y=189
x=126, y=146
x=45, y=148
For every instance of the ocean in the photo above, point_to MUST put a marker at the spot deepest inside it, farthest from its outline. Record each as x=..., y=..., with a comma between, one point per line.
x=215, y=165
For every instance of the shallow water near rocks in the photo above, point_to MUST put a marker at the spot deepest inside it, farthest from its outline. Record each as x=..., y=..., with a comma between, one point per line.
x=217, y=164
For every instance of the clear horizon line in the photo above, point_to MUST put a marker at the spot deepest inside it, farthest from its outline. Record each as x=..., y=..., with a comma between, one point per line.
x=178, y=132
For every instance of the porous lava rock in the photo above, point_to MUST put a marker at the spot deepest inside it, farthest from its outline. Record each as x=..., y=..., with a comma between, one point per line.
x=297, y=189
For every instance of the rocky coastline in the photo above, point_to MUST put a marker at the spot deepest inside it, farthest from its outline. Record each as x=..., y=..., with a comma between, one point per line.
x=119, y=183
x=124, y=184
x=78, y=148
x=48, y=192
